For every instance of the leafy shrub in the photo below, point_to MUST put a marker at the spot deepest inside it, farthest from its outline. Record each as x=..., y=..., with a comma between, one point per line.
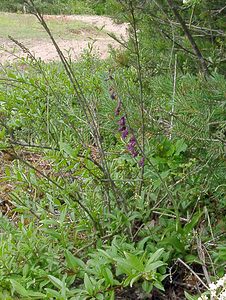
x=115, y=177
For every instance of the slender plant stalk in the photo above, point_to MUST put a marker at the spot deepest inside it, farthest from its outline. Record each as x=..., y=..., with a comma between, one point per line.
x=195, y=47
x=202, y=258
x=148, y=161
x=84, y=105
x=140, y=80
x=173, y=97
x=193, y=272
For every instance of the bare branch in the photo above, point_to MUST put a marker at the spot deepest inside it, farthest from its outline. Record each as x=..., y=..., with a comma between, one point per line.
x=196, y=49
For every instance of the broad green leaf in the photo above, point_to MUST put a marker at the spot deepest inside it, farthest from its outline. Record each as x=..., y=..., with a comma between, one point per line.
x=112, y=295
x=25, y=270
x=155, y=255
x=190, y=226
x=19, y=288
x=124, y=266
x=134, y=261
x=53, y=293
x=147, y=286
x=105, y=254
x=192, y=259
x=99, y=297
x=127, y=281
x=108, y=276
x=88, y=285
x=74, y=262
x=63, y=215
x=180, y=146
x=55, y=281
x=154, y=266
x=159, y=286
x=36, y=295
x=142, y=242
x=25, y=293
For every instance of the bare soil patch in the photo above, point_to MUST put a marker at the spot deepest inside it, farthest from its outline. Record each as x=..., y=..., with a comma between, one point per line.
x=94, y=37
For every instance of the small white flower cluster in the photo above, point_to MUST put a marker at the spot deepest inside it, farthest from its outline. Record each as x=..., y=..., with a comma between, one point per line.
x=217, y=291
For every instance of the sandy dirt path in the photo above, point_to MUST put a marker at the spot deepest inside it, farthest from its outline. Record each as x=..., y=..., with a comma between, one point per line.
x=44, y=49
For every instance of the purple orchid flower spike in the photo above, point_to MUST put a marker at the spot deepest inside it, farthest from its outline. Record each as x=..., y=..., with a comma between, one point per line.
x=141, y=162
x=134, y=153
x=122, y=121
x=132, y=141
x=125, y=133
x=123, y=128
x=131, y=146
x=118, y=108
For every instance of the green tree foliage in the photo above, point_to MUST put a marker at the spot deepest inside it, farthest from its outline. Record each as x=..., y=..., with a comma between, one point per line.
x=161, y=33
x=49, y=6
x=117, y=167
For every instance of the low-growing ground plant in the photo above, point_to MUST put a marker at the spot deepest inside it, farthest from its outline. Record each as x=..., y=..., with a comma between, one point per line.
x=112, y=180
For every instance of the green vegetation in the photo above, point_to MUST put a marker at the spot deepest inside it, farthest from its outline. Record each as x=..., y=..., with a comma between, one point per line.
x=113, y=172
x=61, y=6
x=30, y=28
